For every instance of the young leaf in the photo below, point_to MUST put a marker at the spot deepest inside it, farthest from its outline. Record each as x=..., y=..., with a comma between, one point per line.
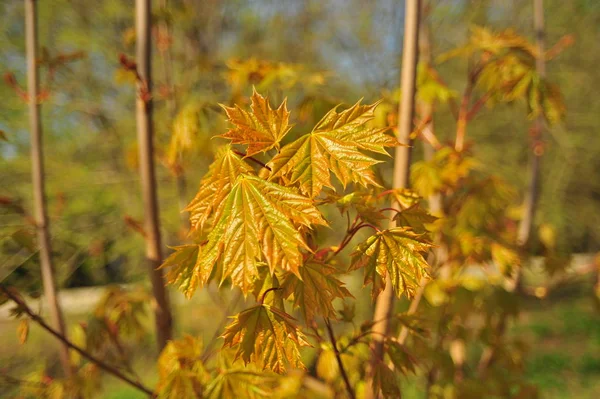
x=181, y=372
x=259, y=219
x=384, y=380
x=23, y=331
x=315, y=291
x=333, y=146
x=267, y=337
x=215, y=187
x=415, y=217
x=261, y=129
x=403, y=360
x=240, y=383
x=398, y=251
x=182, y=271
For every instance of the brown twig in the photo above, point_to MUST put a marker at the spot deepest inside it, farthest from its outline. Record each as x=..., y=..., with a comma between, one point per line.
x=338, y=357
x=106, y=367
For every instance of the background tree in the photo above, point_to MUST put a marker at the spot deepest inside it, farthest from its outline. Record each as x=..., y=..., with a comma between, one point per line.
x=38, y=177
x=145, y=132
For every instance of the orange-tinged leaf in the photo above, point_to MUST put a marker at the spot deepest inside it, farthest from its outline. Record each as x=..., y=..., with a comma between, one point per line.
x=267, y=337
x=397, y=251
x=315, y=291
x=23, y=331
x=259, y=223
x=215, y=187
x=333, y=147
x=262, y=128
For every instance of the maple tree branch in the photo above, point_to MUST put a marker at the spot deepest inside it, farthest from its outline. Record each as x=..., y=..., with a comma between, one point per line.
x=338, y=357
x=106, y=367
x=478, y=104
x=256, y=161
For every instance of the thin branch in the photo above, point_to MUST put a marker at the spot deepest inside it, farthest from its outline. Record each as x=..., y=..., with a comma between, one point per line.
x=339, y=360
x=106, y=367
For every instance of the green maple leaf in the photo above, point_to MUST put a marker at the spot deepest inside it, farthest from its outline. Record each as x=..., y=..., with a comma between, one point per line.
x=215, y=187
x=260, y=220
x=333, y=147
x=261, y=129
x=315, y=290
x=267, y=337
x=397, y=251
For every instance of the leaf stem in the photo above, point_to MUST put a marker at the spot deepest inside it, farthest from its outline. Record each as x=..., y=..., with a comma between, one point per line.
x=262, y=298
x=243, y=155
x=106, y=367
x=338, y=357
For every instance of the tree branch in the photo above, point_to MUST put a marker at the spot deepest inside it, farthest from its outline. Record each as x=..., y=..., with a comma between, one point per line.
x=106, y=367
x=339, y=360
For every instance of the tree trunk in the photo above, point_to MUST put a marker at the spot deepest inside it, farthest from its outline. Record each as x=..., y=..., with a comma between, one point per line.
x=163, y=318
x=39, y=190
x=531, y=196
x=385, y=301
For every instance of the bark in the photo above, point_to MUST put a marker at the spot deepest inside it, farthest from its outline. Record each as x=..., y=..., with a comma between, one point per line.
x=39, y=190
x=531, y=196
x=385, y=301
x=526, y=225
x=145, y=133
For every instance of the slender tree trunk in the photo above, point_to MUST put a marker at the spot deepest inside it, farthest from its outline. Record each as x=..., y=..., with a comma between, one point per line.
x=39, y=190
x=147, y=173
x=385, y=301
x=526, y=225
x=531, y=196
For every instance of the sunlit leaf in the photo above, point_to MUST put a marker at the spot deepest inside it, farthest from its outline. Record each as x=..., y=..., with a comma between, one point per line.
x=215, y=186
x=315, y=290
x=183, y=271
x=267, y=337
x=259, y=221
x=397, y=251
x=261, y=129
x=333, y=147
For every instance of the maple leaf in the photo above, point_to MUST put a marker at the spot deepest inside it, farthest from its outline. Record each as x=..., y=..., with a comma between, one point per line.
x=215, y=187
x=259, y=219
x=415, y=217
x=385, y=380
x=181, y=372
x=240, y=383
x=315, y=290
x=398, y=251
x=261, y=129
x=267, y=337
x=183, y=270
x=333, y=147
